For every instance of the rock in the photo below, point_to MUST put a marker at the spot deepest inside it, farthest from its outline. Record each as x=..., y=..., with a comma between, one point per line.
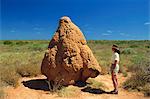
x=68, y=58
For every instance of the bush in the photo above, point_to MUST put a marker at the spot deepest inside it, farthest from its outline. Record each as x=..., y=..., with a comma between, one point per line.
x=133, y=46
x=147, y=46
x=128, y=51
x=28, y=70
x=21, y=42
x=7, y=42
x=138, y=62
x=140, y=80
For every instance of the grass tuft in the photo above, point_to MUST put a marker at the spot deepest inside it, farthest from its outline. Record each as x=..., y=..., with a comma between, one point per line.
x=70, y=91
x=95, y=84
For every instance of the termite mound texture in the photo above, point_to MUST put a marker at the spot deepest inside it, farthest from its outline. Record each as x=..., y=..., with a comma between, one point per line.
x=68, y=58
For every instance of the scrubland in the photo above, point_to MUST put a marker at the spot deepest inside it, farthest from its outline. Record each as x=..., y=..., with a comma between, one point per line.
x=23, y=59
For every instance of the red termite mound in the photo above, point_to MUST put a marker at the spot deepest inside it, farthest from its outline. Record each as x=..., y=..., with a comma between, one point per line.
x=68, y=58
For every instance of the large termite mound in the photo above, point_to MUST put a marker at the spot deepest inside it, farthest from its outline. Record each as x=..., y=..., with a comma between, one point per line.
x=68, y=58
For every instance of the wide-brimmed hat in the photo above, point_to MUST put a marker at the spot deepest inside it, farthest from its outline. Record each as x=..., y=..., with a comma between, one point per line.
x=115, y=47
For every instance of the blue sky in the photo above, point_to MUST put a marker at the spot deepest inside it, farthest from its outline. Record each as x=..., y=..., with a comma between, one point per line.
x=98, y=19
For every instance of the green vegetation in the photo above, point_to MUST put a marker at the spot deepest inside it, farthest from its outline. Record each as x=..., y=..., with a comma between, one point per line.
x=23, y=59
x=135, y=58
x=20, y=59
x=7, y=42
x=128, y=51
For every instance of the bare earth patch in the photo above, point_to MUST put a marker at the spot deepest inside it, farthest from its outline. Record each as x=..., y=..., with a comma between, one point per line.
x=36, y=88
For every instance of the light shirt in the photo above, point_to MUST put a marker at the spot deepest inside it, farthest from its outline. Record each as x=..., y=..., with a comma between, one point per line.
x=115, y=56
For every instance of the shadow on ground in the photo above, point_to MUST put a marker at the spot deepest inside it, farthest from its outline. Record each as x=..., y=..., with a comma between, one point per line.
x=41, y=84
x=94, y=91
x=37, y=84
x=80, y=84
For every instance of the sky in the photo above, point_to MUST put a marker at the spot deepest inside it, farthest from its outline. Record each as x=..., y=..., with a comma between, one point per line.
x=97, y=19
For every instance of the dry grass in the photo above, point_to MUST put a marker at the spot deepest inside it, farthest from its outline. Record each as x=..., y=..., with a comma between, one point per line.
x=70, y=91
x=2, y=94
x=95, y=84
x=9, y=76
x=18, y=62
x=23, y=58
x=140, y=80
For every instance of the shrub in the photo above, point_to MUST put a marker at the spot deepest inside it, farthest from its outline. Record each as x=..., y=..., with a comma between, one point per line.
x=147, y=46
x=133, y=46
x=28, y=70
x=7, y=42
x=138, y=62
x=128, y=51
x=21, y=42
x=140, y=80
x=55, y=86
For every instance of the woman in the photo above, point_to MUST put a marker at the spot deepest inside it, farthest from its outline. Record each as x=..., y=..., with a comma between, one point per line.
x=115, y=67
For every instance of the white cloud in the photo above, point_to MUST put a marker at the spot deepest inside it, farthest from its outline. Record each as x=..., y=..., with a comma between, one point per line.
x=106, y=34
x=124, y=34
x=109, y=31
x=147, y=23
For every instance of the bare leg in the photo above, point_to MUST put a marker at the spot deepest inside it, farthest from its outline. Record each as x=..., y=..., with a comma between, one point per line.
x=113, y=80
x=115, y=83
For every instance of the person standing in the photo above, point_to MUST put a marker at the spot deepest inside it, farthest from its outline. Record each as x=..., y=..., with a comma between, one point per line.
x=115, y=68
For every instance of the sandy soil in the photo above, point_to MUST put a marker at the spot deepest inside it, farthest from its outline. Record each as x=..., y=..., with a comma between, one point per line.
x=36, y=88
